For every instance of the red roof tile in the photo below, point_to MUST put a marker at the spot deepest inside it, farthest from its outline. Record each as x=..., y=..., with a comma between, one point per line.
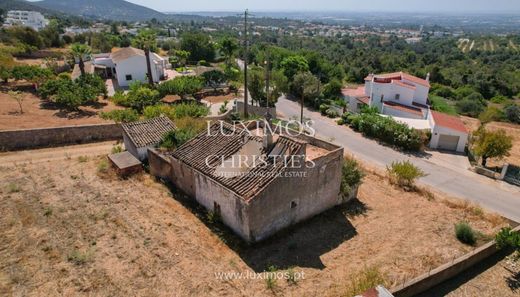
x=400, y=76
x=448, y=121
x=404, y=108
x=364, y=99
x=358, y=92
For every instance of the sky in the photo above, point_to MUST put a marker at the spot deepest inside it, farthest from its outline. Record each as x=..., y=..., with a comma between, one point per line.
x=456, y=6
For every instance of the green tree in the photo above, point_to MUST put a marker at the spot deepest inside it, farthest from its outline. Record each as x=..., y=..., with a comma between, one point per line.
x=199, y=46
x=181, y=57
x=492, y=144
x=141, y=96
x=293, y=65
x=214, y=78
x=512, y=113
x=307, y=86
x=80, y=53
x=228, y=46
x=147, y=41
x=332, y=90
x=182, y=86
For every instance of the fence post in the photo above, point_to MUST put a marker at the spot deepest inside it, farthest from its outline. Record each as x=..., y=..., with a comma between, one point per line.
x=504, y=171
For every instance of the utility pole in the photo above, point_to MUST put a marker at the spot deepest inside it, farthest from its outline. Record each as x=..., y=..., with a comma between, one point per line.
x=246, y=54
x=303, y=97
x=267, y=74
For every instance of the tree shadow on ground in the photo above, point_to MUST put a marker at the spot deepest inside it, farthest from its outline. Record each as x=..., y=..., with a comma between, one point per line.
x=299, y=245
x=454, y=283
x=513, y=281
x=76, y=114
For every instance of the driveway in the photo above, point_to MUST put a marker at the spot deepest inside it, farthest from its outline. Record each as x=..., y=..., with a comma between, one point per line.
x=445, y=173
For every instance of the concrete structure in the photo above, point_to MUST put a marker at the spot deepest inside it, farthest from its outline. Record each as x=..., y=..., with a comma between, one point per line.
x=32, y=19
x=448, y=132
x=11, y=140
x=139, y=136
x=128, y=65
x=125, y=163
x=257, y=183
x=405, y=98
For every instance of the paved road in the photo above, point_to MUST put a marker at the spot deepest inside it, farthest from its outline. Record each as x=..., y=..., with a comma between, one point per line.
x=497, y=196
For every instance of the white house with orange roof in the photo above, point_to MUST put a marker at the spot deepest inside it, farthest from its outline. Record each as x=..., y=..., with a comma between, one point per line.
x=396, y=94
x=405, y=98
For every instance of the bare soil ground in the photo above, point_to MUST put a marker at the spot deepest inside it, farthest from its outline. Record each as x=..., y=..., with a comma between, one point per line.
x=68, y=228
x=511, y=129
x=39, y=114
x=501, y=279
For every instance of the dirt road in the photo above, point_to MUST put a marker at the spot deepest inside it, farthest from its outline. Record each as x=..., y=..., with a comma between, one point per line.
x=56, y=153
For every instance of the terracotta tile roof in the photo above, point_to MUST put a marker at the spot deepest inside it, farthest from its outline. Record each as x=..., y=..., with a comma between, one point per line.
x=365, y=100
x=399, y=76
x=357, y=92
x=448, y=121
x=225, y=144
x=404, y=108
x=403, y=84
x=148, y=132
x=125, y=53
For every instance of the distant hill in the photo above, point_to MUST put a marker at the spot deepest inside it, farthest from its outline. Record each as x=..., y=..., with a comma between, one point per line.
x=7, y=5
x=102, y=9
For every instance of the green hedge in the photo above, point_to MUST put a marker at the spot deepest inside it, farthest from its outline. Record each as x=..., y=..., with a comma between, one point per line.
x=388, y=131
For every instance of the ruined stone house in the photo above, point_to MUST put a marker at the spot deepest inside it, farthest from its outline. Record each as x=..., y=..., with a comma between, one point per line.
x=141, y=135
x=255, y=199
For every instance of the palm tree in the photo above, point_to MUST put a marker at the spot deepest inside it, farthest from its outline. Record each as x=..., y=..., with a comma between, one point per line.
x=80, y=53
x=147, y=41
x=228, y=46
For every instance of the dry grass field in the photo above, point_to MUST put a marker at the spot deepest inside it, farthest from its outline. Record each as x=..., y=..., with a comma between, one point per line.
x=38, y=114
x=71, y=228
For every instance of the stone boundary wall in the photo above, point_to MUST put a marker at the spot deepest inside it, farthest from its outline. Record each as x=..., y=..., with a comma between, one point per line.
x=256, y=110
x=443, y=273
x=12, y=140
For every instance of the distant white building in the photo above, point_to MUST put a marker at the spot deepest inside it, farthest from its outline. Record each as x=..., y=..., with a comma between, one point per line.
x=405, y=98
x=32, y=19
x=128, y=65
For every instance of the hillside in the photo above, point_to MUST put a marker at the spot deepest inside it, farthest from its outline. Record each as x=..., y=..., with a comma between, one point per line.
x=102, y=9
x=22, y=5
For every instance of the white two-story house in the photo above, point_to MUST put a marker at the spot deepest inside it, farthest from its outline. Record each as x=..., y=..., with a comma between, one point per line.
x=397, y=94
x=405, y=98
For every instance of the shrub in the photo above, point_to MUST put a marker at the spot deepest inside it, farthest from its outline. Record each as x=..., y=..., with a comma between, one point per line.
x=117, y=149
x=102, y=166
x=223, y=108
x=367, y=279
x=332, y=113
x=182, y=86
x=351, y=175
x=404, y=174
x=387, y=130
x=187, y=128
x=508, y=238
x=470, y=107
x=340, y=122
x=512, y=113
x=323, y=109
x=178, y=111
x=491, y=114
x=465, y=233
x=121, y=116
x=119, y=98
